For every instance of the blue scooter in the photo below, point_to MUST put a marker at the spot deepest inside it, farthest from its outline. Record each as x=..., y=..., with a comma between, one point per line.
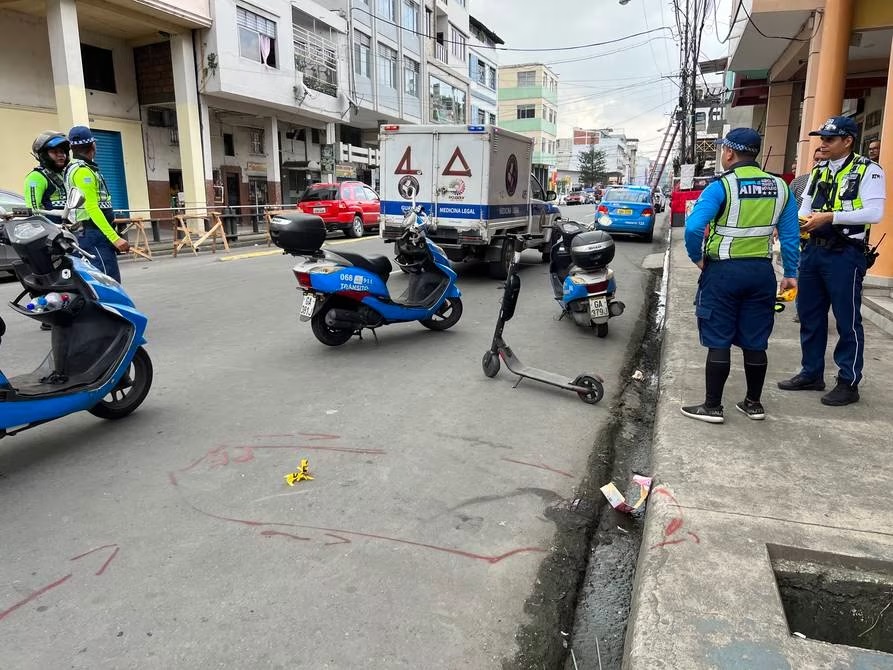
x=97, y=362
x=344, y=292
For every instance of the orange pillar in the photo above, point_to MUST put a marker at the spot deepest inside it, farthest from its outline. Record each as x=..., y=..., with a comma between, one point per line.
x=833, y=59
x=805, y=148
x=883, y=266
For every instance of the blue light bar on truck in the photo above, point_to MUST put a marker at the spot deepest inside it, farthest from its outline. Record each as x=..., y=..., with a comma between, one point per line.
x=476, y=129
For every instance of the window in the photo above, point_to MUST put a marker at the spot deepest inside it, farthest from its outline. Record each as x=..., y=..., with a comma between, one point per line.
x=458, y=43
x=491, y=78
x=387, y=66
x=229, y=147
x=526, y=111
x=314, y=135
x=429, y=22
x=481, y=117
x=99, y=69
x=362, y=63
x=477, y=71
x=491, y=119
x=447, y=102
x=527, y=78
x=410, y=15
x=386, y=9
x=370, y=194
x=257, y=37
x=256, y=138
x=543, y=145
x=411, y=77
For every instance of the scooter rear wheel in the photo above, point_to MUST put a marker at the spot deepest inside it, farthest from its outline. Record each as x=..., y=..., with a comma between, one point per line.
x=130, y=391
x=601, y=330
x=333, y=337
x=490, y=364
x=447, y=316
x=596, y=391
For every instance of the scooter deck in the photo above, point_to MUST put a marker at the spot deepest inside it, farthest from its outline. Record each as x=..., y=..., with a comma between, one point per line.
x=516, y=366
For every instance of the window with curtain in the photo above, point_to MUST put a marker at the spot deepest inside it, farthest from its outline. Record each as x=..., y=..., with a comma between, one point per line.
x=257, y=37
x=387, y=66
x=362, y=61
x=410, y=77
x=458, y=43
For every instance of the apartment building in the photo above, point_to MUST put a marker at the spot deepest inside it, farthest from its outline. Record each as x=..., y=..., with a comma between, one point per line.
x=483, y=64
x=528, y=104
x=447, y=56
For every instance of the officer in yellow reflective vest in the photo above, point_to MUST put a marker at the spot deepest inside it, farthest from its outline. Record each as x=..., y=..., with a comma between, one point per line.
x=735, y=302
x=844, y=196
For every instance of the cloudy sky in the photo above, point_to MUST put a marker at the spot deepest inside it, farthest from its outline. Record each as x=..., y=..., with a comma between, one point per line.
x=621, y=87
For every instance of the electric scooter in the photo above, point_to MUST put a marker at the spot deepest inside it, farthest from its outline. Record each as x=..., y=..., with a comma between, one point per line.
x=97, y=362
x=345, y=292
x=589, y=388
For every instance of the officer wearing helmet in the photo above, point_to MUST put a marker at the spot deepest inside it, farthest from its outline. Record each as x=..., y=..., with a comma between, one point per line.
x=99, y=236
x=45, y=184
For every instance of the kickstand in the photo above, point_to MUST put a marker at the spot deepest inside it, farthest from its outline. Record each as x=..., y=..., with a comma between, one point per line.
x=375, y=335
x=517, y=383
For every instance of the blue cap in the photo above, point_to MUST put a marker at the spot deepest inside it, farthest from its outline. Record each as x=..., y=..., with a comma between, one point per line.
x=743, y=140
x=80, y=135
x=837, y=126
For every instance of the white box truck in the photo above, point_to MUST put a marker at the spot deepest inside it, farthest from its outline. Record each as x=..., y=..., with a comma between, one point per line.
x=475, y=181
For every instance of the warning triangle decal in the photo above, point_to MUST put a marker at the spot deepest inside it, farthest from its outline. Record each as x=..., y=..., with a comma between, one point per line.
x=451, y=171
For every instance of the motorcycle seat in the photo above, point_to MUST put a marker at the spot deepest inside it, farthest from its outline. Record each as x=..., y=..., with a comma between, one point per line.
x=376, y=263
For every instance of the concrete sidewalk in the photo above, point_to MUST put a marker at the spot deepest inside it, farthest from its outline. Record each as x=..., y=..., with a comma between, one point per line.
x=732, y=499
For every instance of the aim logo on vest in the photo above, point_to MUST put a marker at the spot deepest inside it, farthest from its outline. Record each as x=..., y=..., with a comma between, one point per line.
x=761, y=187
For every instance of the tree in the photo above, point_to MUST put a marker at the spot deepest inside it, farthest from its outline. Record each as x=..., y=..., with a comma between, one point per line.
x=593, y=166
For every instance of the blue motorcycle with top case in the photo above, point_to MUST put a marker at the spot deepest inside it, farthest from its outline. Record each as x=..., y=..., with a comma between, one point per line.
x=344, y=292
x=97, y=362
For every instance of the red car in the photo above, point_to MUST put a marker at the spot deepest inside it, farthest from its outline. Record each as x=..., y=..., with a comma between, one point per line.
x=350, y=206
x=576, y=198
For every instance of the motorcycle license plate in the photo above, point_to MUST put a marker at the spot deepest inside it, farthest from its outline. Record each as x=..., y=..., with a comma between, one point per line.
x=624, y=212
x=319, y=210
x=598, y=307
x=307, y=306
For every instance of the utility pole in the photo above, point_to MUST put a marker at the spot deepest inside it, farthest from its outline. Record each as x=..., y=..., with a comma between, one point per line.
x=683, y=93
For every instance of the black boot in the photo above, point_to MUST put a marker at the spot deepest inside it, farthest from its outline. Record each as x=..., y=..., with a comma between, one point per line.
x=842, y=394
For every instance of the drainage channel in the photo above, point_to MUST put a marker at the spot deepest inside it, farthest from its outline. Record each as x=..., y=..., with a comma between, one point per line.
x=581, y=598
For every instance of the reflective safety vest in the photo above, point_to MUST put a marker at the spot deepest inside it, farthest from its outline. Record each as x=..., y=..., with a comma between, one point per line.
x=840, y=192
x=97, y=182
x=53, y=196
x=753, y=205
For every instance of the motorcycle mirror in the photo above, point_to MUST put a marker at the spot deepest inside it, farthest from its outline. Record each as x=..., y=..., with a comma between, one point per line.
x=75, y=199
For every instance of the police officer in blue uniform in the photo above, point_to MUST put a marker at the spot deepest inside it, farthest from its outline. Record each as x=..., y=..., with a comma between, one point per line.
x=843, y=198
x=735, y=302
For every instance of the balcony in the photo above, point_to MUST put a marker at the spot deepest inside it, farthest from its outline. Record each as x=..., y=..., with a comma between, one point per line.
x=528, y=93
x=530, y=125
x=543, y=158
x=441, y=52
x=316, y=60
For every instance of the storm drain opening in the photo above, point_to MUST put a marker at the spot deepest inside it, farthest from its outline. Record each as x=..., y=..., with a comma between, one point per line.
x=835, y=598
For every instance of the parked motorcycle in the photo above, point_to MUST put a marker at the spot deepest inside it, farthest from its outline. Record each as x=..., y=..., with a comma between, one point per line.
x=582, y=281
x=345, y=292
x=97, y=362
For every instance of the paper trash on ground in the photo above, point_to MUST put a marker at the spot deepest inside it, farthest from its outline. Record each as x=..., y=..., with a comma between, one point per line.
x=618, y=501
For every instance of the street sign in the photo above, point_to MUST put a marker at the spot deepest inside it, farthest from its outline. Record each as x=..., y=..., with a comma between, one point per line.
x=327, y=158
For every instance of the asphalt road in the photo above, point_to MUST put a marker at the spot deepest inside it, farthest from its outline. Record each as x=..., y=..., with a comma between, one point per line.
x=170, y=539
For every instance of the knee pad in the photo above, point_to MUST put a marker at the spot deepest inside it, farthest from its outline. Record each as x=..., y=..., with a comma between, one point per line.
x=721, y=356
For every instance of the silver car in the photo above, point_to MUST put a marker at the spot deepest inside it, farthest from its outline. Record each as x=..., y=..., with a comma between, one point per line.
x=8, y=201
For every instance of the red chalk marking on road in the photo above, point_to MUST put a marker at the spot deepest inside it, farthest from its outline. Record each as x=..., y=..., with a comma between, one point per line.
x=660, y=490
x=93, y=551
x=276, y=533
x=344, y=540
x=674, y=525
x=695, y=536
x=540, y=466
x=312, y=436
x=313, y=447
x=667, y=543
x=36, y=594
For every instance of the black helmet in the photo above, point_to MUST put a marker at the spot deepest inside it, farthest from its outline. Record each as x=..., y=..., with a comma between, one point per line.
x=49, y=139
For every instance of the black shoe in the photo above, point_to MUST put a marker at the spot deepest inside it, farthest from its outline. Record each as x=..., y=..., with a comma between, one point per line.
x=753, y=410
x=45, y=326
x=842, y=394
x=801, y=383
x=703, y=413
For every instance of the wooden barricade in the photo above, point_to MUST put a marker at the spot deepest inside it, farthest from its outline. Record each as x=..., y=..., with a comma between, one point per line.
x=141, y=245
x=216, y=230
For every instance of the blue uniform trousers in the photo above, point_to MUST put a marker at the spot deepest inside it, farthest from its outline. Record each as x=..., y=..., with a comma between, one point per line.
x=94, y=241
x=735, y=303
x=831, y=278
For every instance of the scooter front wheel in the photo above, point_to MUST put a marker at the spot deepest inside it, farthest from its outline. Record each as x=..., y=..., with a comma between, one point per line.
x=130, y=391
x=596, y=390
x=490, y=364
x=446, y=317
